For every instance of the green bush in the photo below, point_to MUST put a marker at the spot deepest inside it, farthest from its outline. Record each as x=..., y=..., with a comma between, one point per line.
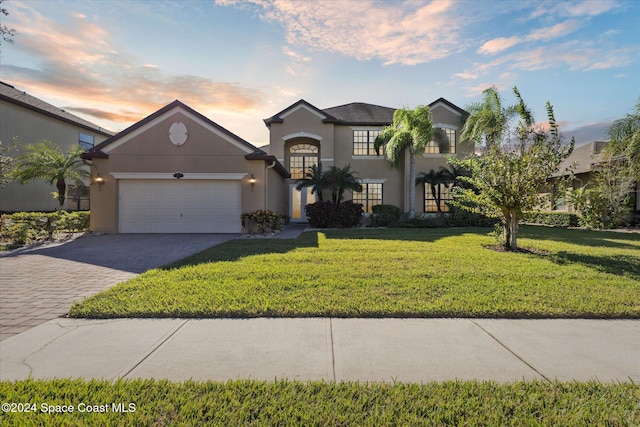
x=23, y=227
x=558, y=219
x=462, y=218
x=423, y=221
x=263, y=221
x=329, y=215
x=74, y=221
x=385, y=215
x=19, y=233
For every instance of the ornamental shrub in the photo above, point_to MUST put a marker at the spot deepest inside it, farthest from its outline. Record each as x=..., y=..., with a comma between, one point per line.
x=558, y=219
x=263, y=221
x=74, y=221
x=462, y=218
x=385, y=215
x=329, y=215
x=23, y=227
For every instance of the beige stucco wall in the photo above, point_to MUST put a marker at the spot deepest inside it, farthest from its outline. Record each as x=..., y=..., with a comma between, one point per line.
x=152, y=152
x=30, y=127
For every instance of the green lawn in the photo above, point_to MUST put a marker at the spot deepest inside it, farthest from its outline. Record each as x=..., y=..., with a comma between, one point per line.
x=285, y=403
x=392, y=273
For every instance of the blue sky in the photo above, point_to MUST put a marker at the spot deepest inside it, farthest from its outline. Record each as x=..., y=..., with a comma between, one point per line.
x=115, y=62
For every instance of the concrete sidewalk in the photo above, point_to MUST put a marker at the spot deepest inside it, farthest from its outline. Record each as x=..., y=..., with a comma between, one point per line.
x=406, y=350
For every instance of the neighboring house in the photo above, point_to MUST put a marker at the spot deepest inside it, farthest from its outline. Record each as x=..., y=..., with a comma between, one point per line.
x=178, y=171
x=584, y=162
x=30, y=120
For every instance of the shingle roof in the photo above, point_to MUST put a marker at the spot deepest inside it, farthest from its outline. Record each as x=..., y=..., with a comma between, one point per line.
x=585, y=158
x=361, y=113
x=355, y=113
x=15, y=96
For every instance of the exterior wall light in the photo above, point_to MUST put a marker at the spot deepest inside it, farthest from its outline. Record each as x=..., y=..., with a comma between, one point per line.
x=178, y=175
x=252, y=181
x=99, y=180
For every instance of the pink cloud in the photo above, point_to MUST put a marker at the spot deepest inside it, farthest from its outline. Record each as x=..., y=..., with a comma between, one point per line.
x=406, y=33
x=498, y=45
x=555, y=31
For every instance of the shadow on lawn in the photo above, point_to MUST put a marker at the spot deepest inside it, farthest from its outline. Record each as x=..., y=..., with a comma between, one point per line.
x=619, y=265
x=235, y=249
x=405, y=234
x=606, y=239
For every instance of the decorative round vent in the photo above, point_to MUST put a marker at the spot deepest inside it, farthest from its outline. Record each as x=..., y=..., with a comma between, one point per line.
x=178, y=134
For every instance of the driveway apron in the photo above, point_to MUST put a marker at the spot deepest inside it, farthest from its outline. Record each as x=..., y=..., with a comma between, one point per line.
x=40, y=283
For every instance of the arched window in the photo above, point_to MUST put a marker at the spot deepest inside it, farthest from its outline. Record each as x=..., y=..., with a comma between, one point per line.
x=301, y=157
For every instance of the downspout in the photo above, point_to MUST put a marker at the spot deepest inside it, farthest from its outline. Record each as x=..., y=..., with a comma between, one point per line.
x=266, y=187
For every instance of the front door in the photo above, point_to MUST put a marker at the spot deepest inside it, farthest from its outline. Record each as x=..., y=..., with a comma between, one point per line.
x=297, y=201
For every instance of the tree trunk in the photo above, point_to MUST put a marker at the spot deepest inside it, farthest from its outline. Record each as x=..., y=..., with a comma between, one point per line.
x=507, y=229
x=511, y=230
x=62, y=192
x=514, y=231
x=412, y=184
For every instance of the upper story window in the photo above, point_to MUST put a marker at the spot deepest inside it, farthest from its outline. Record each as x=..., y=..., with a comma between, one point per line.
x=363, y=142
x=301, y=158
x=443, y=142
x=85, y=141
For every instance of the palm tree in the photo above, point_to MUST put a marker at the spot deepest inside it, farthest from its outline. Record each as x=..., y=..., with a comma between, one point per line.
x=338, y=180
x=44, y=160
x=625, y=141
x=488, y=120
x=314, y=178
x=411, y=130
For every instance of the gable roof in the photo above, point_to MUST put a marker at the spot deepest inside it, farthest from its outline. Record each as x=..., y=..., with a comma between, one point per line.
x=101, y=150
x=449, y=104
x=11, y=94
x=279, y=117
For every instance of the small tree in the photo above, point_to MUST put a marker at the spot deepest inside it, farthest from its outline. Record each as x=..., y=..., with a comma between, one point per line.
x=46, y=161
x=411, y=130
x=338, y=180
x=314, y=178
x=508, y=179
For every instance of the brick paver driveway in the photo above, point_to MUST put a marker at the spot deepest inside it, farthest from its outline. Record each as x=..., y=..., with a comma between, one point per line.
x=39, y=284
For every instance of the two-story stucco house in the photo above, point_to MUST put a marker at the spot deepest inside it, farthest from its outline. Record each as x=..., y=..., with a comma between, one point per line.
x=29, y=120
x=302, y=135
x=178, y=171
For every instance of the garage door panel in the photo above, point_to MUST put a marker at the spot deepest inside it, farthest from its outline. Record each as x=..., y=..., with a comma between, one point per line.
x=172, y=206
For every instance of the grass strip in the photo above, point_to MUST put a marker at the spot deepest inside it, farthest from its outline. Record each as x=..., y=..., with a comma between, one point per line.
x=290, y=403
x=391, y=273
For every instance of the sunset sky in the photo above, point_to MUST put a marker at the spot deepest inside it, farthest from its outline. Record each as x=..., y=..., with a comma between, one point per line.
x=115, y=62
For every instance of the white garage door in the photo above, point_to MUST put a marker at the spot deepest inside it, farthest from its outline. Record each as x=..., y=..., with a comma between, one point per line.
x=179, y=206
